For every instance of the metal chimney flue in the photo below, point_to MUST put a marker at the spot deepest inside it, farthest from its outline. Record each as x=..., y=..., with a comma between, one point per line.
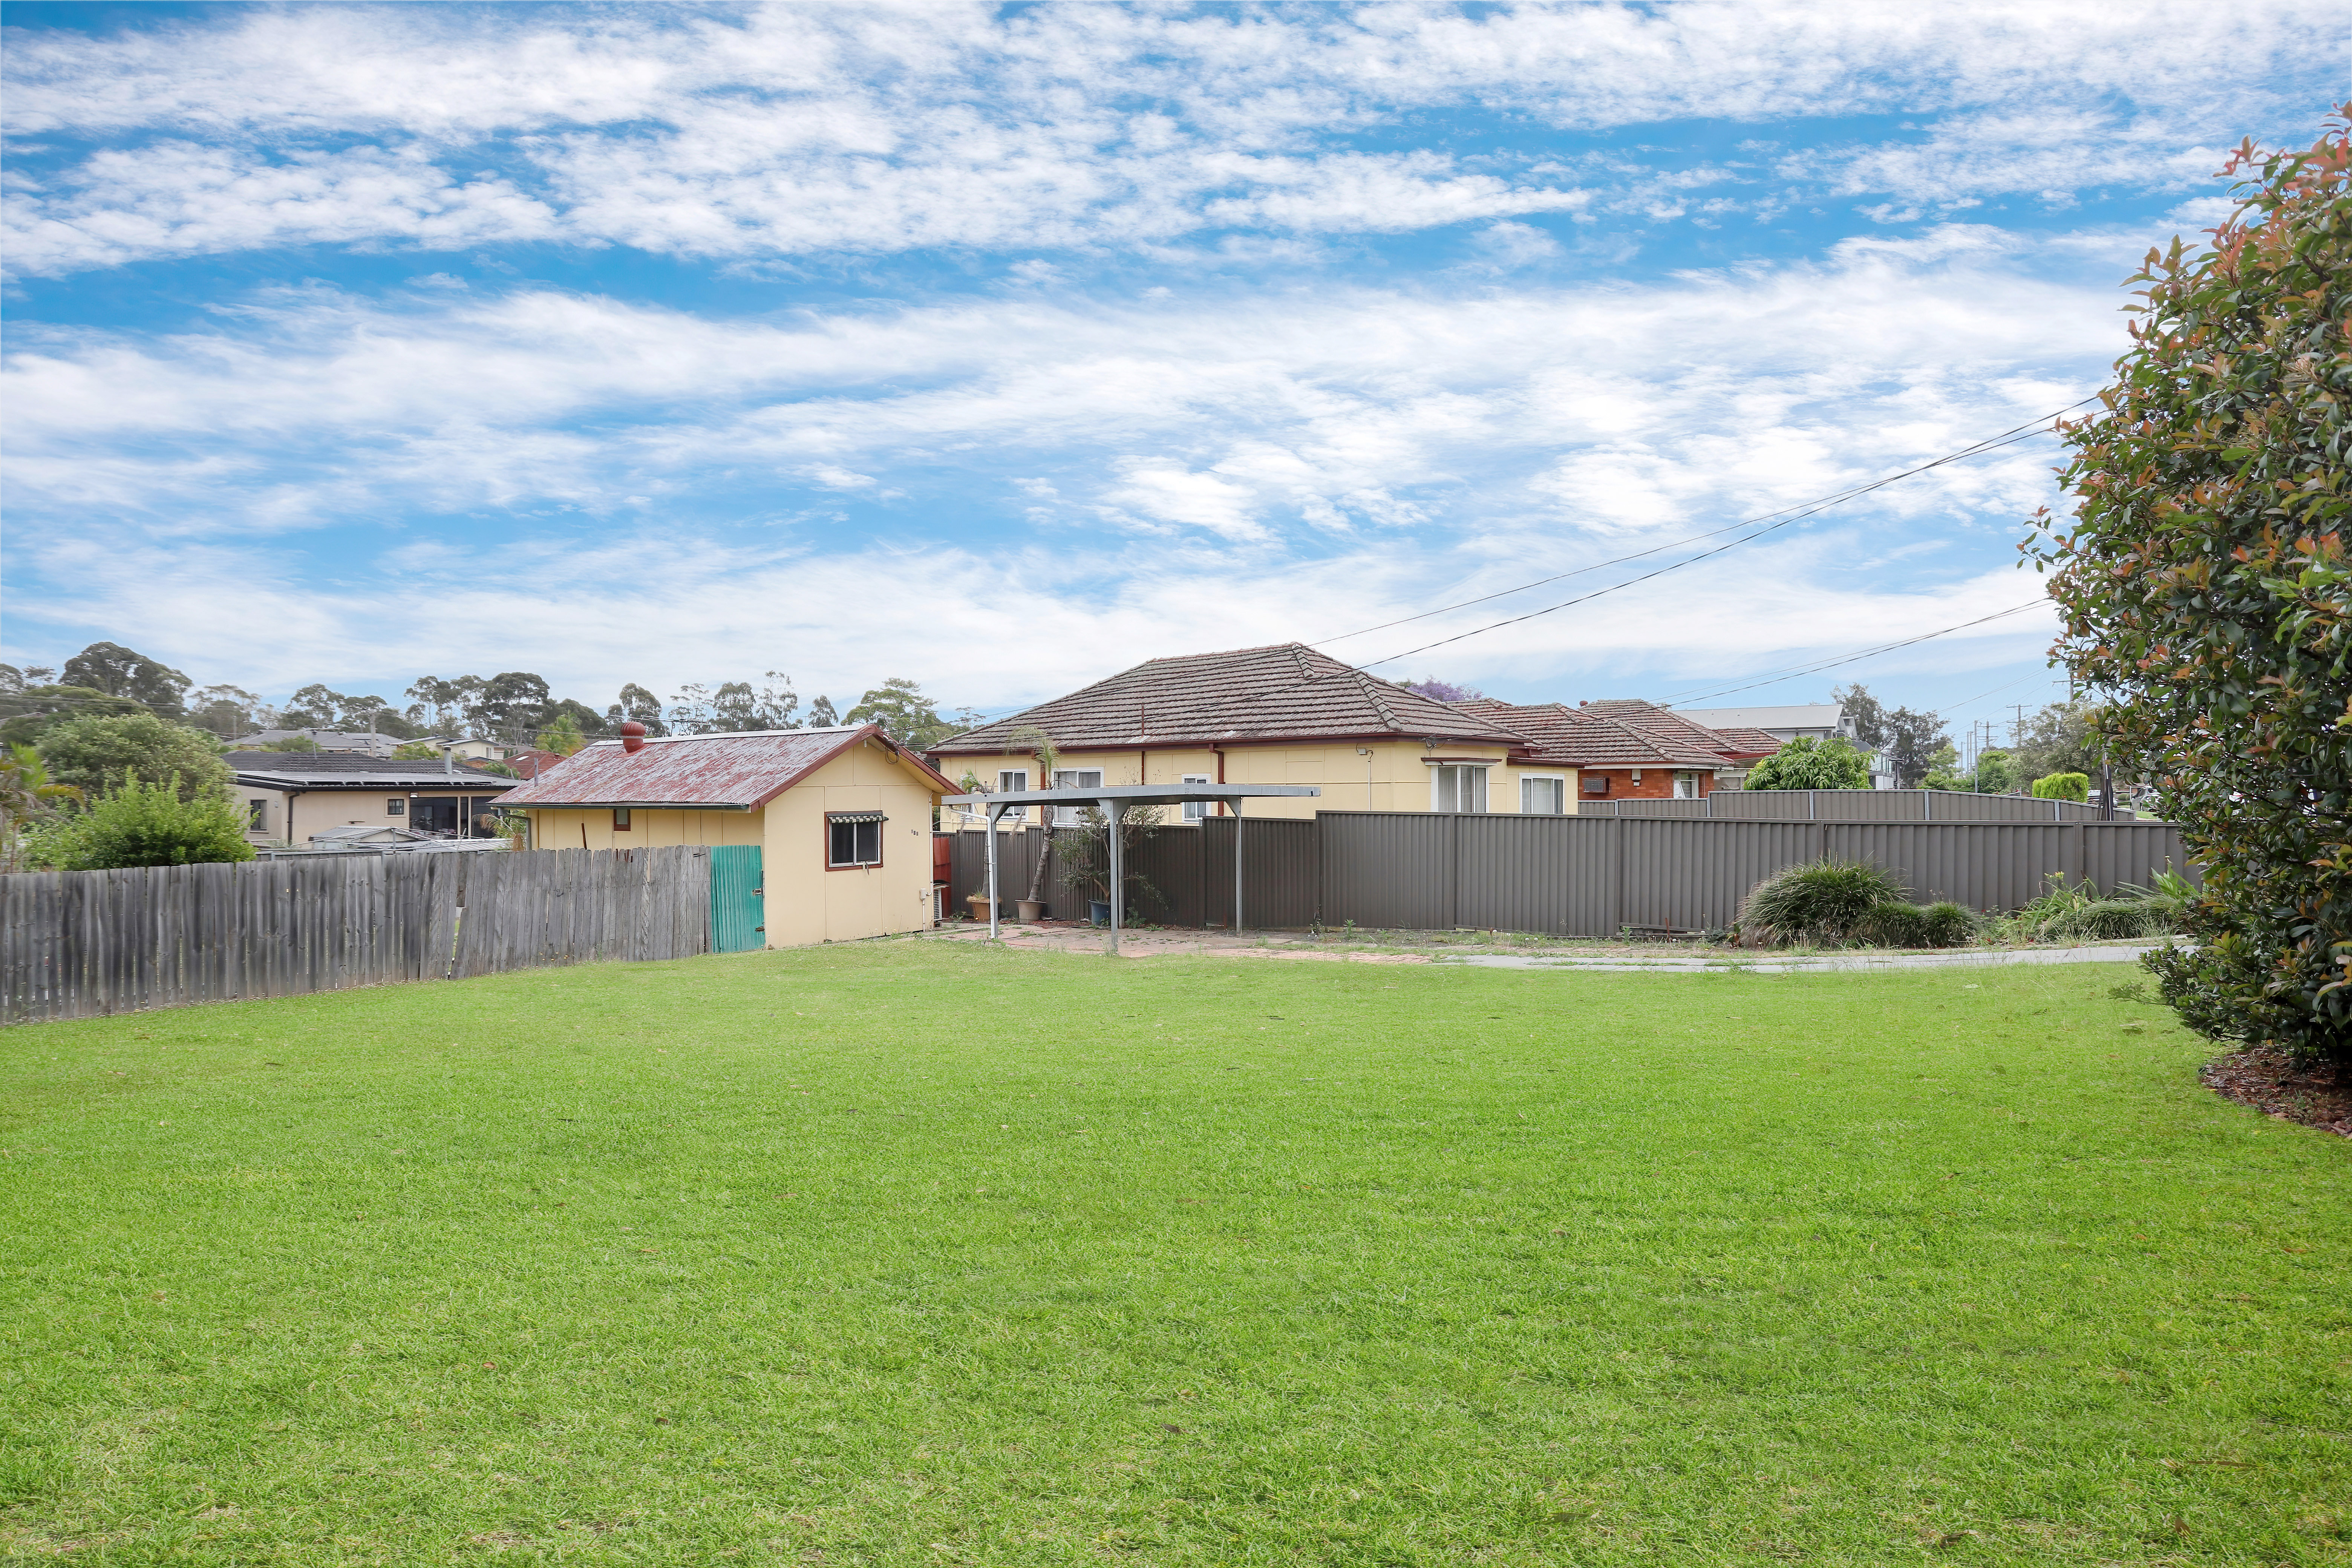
x=632, y=736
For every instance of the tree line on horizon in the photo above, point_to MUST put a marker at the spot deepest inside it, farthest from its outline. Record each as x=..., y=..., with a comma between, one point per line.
x=514, y=707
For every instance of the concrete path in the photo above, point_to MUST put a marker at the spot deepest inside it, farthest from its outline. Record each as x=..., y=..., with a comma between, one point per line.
x=2095, y=952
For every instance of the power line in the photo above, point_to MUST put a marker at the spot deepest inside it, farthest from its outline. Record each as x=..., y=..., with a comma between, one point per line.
x=1786, y=516
x=1874, y=652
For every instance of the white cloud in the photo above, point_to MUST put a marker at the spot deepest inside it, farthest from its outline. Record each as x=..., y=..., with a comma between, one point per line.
x=1205, y=469
x=796, y=130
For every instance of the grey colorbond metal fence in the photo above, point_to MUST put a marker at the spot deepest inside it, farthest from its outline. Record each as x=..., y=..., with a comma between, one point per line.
x=76, y=944
x=1188, y=873
x=1856, y=806
x=1581, y=876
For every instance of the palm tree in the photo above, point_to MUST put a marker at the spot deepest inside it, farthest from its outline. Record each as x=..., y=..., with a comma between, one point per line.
x=26, y=795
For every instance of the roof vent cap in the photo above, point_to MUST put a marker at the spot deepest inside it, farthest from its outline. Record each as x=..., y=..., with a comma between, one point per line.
x=632, y=736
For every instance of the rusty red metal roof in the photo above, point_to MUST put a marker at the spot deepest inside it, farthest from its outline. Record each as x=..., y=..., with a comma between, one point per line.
x=739, y=770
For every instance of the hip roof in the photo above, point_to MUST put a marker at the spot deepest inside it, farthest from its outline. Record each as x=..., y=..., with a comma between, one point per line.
x=1285, y=691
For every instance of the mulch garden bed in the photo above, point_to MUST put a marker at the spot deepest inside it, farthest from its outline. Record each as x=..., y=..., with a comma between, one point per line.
x=2265, y=1078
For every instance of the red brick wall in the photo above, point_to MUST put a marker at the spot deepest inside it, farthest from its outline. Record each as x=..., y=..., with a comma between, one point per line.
x=1657, y=784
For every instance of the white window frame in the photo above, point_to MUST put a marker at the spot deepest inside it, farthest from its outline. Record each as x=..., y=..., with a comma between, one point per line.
x=1559, y=783
x=1456, y=776
x=1687, y=776
x=1196, y=810
x=1074, y=778
x=1012, y=781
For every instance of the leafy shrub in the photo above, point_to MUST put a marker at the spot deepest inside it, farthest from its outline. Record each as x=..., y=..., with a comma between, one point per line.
x=96, y=754
x=1893, y=924
x=1816, y=900
x=1951, y=925
x=2104, y=919
x=147, y=825
x=1807, y=764
x=1897, y=924
x=2062, y=786
x=2203, y=578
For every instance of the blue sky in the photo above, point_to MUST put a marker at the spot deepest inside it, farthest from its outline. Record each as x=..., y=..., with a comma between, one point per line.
x=1003, y=347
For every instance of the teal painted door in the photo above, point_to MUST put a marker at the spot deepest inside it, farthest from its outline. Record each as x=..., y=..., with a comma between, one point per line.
x=738, y=920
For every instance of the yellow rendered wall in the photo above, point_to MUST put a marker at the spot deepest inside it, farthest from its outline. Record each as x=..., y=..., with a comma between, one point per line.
x=806, y=902
x=1393, y=778
x=648, y=829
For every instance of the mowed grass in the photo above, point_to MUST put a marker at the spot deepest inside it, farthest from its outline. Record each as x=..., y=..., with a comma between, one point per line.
x=909, y=1254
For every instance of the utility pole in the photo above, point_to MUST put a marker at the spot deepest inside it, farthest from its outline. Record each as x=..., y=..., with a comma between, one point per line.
x=2016, y=731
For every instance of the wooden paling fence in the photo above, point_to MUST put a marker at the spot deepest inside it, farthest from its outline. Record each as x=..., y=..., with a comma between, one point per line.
x=77, y=944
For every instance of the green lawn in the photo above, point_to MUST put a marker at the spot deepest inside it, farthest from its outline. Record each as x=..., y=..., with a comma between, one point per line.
x=904, y=1254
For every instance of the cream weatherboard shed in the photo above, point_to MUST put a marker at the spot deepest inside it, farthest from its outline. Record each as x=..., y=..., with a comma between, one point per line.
x=827, y=832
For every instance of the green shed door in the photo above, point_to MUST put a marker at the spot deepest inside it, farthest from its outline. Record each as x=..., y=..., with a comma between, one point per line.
x=738, y=921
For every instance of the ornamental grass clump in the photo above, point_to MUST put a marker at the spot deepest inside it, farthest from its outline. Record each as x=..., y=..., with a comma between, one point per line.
x=1897, y=924
x=1816, y=901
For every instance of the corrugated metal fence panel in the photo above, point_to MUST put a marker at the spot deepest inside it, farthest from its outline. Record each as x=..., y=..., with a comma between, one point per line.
x=2135, y=852
x=1552, y=874
x=1388, y=870
x=1282, y=871
x=1190, y=870
x=1690, y=876
x=1852, y=805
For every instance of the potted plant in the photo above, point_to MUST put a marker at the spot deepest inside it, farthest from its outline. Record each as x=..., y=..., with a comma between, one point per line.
x=1041, y=746
x=1085, y=857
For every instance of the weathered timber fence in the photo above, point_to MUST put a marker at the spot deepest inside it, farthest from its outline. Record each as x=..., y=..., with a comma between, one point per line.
x=76, y=944
x=1576, y=876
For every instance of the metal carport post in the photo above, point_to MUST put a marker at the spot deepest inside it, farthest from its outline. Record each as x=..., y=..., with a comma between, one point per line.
x=1111, y=802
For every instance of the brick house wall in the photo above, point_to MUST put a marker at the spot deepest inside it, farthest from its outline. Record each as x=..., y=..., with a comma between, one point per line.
x=1657, y=784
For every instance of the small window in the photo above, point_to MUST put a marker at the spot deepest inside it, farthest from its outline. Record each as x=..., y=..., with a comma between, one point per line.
x=1459, y=789
x=1012, y=781
x=1194, y=810
x=257, y=815
x=395, y=807
x=620, y=819
x=1596, y=783
x=1544, y=797
x=1074, y=778
x=853, y=840
x=1685, y=784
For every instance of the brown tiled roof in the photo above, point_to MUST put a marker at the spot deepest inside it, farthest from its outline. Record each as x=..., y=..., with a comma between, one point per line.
x=1744, y=743
x=1577, y=737
x=1284, y=692
x=742, y=769
x=1669, y=727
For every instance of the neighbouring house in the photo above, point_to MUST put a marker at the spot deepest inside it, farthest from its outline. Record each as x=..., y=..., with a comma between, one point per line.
x=290, y=798
x=365, y=742
x=826, y=833
x=530, y=762
x=1814, y=720
x=1615, y=755
x=1278, y=715
x=1788, y=722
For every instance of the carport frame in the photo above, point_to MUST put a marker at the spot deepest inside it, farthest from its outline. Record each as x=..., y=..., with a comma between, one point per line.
x=1111, y=801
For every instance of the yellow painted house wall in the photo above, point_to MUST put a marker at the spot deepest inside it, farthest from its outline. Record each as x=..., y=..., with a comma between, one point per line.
x=1394, y=777
x=806, y=903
